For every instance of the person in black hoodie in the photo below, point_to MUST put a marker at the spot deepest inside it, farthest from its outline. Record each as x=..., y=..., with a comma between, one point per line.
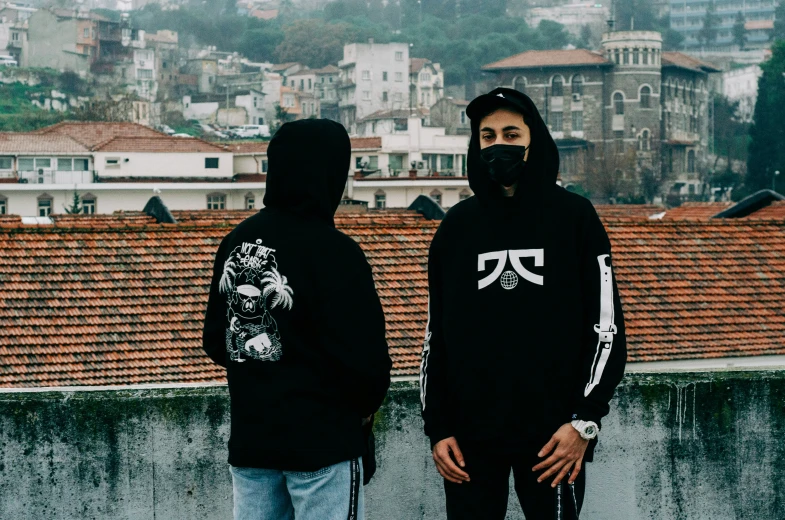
x=294, y=317
x=525, y=341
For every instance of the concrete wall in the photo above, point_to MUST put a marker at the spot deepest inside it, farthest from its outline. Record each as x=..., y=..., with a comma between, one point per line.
x=675, y=446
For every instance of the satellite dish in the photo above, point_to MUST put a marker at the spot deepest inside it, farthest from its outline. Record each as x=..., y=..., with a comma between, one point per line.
x=364, y=161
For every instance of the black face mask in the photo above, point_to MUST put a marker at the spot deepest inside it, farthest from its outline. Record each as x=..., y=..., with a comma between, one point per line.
x=505, y=162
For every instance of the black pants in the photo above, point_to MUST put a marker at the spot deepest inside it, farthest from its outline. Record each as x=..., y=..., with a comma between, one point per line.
x=485, y=496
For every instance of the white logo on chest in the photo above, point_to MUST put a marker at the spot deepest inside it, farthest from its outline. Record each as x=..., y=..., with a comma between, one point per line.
x=509, y=279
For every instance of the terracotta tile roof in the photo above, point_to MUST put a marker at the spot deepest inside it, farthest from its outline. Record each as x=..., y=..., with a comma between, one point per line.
x=158, y=144
x=280, y=67
x=11, y=142
x=94, y=133
x=775, y=211
x=397, y=113
x=416, y=64
x=252, y=147
x=86, y=303
x=363, y=143
x=304, y=72
x=679, y=59
x=550, y=58
x=627, y=211
x=329, y=69
x=696, y=210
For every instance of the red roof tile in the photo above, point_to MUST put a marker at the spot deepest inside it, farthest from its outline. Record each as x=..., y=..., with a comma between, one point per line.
x=696, y=210
x=158, y=144
x=32, y=143
x=775, y=211
x=627, y=211
x=116, y=300
x=91, y=133
x=684, y=61
x=549, y=58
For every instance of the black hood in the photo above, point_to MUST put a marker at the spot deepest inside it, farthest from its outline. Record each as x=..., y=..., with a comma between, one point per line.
x=542, y=163
x=308, y=165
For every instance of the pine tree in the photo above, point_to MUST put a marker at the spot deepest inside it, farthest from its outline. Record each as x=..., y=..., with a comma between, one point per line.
x=739, y=32
x=766, y=153
x=709, y=31
x=76, y=206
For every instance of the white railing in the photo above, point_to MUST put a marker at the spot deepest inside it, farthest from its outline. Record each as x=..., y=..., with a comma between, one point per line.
x=42, y=176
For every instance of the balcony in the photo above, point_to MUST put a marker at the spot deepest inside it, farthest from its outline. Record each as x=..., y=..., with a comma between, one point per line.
x=345, y=83
x=41, y=176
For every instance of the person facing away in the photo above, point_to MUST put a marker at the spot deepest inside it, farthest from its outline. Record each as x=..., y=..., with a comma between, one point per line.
x=294, y=317
x=525, y=342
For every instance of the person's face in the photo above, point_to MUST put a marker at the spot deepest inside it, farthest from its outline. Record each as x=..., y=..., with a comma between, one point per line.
x=504, y=127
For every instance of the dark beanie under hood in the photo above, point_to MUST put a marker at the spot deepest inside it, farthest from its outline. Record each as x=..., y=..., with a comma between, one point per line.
x=308, y=165
x=542, y=163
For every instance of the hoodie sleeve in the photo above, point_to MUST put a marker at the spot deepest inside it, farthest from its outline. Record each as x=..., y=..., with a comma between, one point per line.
x=214, y=332
x=604, y=348
x=352, y=328
x=434, y=390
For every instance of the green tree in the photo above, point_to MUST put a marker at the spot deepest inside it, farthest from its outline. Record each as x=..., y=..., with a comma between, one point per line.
x=739, y=32
x=766, y=153
x=779, y=22
x=585, y=40
x=76, y=205
x=708, y=33
x=635, y=14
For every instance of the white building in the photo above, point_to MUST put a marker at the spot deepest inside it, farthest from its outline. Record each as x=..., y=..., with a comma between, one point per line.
x=143, y=70
x=119, y=166
x=373, y=77
x=574, y=16
x=742, y=85
x=252, y=101
x=426, y=82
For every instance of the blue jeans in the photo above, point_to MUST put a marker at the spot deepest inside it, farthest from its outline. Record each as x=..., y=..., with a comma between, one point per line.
x=331, y=493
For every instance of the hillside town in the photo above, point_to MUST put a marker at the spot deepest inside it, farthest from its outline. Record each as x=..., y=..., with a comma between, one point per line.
x=134, y=138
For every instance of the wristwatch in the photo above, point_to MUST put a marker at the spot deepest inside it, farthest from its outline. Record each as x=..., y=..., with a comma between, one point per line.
x=587, y=429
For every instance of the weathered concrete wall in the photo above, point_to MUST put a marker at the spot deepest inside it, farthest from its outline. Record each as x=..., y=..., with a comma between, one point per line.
x=676, y=446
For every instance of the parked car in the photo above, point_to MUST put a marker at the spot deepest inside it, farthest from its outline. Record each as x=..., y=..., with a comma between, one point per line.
x=182, y=135
x=167, y=129
x=209, y=130
x=8, y=61
x=249, y=131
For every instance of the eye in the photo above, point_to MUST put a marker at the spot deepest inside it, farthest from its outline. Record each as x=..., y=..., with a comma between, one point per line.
x=487, y=137
x=512, y=136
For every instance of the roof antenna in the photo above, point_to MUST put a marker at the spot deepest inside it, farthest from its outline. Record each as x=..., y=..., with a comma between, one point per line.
x=612, y=21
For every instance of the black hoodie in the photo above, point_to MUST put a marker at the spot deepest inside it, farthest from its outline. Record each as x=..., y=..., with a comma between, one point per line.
x=515, y=333
x=293, y=314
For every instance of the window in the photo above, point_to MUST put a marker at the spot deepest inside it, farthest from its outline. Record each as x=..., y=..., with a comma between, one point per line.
x=635, y=54
x=373, y=162
x=112, y=163
x=577, y=84
x=446, y=163
x=557, y=122
x=216, y=201
x=425, y=76
x=577, y=121
x=288, y=101
x=366, y=74
x=398, y=56
x=384, y=76
x=65, y=165
x=302, y=84
x=464, y=195
x=250, y=201
x=44, y=206
x=211, y=163
x=264, y=165
x=616, y=57
x=644, y=141
x=557, y=86
x=380, y=200
x=309, y=83
x=80, y=165
x=463, y=117
x=645, y=56
x=384, y=96
x=88, y=204
x=519, y=84
x=691, y=161
x=626, y=60
x=618, y=103
x=366, y=95
x=399, y=76
x=645, y=94
x=6, y=163
x=396, y=162
x=3, y=205
x=86, y=32
x=436, y=195
x=618, y=136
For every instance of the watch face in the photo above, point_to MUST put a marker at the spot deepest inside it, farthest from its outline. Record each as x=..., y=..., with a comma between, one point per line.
x=589, y=430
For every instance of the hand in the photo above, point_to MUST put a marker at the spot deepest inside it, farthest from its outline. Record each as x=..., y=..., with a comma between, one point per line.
x=445, y=464
x=568, y=449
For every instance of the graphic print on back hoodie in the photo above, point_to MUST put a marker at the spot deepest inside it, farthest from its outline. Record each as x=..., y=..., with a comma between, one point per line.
x=294, y=316
x=526, y=330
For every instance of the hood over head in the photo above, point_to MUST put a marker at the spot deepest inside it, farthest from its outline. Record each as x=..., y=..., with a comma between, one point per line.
x=308, y=165
x=542, y=164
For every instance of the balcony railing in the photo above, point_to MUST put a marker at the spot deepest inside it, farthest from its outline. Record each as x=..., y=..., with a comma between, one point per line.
x=41, y=176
